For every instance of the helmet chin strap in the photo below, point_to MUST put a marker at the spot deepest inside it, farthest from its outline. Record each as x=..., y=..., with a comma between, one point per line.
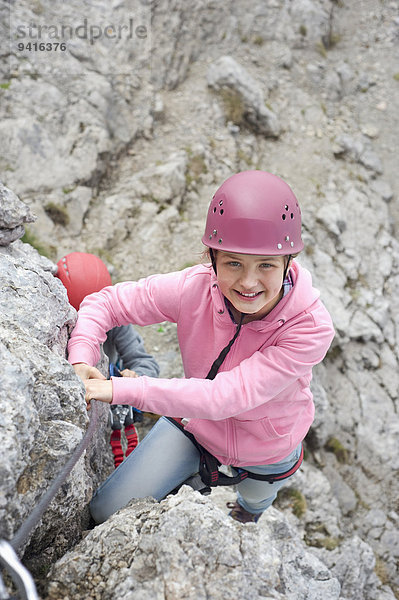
x=286, y=266
x=218, y=362
x=213, y=260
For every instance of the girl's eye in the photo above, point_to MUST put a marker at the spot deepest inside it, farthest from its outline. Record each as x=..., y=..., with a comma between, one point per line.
x=233, y=263
x=266, y=265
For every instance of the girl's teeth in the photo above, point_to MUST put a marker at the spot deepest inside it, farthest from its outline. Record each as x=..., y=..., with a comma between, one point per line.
x=249, y=295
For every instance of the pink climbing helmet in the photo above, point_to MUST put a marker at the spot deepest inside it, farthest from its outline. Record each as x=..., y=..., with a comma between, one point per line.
x=254, y=212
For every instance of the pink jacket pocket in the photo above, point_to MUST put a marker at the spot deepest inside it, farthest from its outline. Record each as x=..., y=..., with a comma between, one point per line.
x=257, y=439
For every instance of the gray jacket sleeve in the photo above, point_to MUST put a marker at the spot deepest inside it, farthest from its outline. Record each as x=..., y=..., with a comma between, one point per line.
x=126, y=344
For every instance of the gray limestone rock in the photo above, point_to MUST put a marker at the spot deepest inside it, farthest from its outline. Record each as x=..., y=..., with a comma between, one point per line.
x=74, y=106
x=33, y=298
x=13, y=214
x=186, y=547
x=354, y=566
x=242, y=96
x=359, y=150
x=43, y=415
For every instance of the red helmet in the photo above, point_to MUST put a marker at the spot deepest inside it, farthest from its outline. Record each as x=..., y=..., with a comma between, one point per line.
x=82, y=274
x=254, y=212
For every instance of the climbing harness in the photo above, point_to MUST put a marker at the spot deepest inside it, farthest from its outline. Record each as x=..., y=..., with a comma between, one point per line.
x=218, y=362
x=119, y=416
x=8, y=558
x=137, y=415
x=122, y=415
x=209, y=465
x=210, y=474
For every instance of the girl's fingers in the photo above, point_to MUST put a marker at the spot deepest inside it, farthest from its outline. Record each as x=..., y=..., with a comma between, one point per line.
x=98, y=389
x=96, y=374
x=128, y=373
x=85, y=371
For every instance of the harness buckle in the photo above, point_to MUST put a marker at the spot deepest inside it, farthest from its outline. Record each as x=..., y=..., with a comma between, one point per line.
x=212, y=477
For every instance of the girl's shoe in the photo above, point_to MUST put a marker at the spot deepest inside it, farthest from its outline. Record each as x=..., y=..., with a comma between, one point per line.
x=240, y=514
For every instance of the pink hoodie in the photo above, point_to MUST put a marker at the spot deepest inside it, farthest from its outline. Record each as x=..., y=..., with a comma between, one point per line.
x=259, y=406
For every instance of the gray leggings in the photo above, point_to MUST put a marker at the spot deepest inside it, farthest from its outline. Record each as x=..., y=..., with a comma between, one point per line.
x=162, y=461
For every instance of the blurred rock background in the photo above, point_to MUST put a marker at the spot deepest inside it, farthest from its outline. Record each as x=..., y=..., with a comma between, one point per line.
x=116, y=145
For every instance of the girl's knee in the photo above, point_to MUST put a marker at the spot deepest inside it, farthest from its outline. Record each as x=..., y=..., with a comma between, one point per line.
x=96, y=513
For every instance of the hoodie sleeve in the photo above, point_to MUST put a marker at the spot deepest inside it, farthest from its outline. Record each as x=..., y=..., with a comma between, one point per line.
x=257, y=380
x=130, y=348
x=151, y=300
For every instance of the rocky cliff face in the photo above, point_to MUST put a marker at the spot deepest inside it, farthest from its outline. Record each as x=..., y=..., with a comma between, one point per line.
x=123, y=163
x=42, y=413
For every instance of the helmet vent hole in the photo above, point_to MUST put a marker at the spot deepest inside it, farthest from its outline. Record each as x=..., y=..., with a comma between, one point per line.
x=214, y=209
x=292, y=215
x=284, y=217
x=221, y=211
x=286, y=207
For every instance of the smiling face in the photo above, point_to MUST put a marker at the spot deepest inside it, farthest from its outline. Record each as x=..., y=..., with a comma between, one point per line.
x=252, y=284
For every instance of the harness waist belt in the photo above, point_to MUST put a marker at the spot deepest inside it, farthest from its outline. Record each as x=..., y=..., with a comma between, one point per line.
x=278, y=476
x=209, y=466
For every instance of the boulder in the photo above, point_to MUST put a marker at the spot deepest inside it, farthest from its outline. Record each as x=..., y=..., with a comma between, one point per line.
x=13, y=215
x=242, y=97
x=186, y=547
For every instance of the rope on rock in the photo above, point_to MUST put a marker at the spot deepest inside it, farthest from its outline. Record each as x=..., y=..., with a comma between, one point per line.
x=8, y=558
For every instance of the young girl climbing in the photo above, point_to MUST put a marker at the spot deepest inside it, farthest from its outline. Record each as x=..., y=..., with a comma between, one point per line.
x=250, y=328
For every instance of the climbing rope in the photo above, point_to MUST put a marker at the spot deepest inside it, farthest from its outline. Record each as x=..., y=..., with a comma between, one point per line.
x=8, y=558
